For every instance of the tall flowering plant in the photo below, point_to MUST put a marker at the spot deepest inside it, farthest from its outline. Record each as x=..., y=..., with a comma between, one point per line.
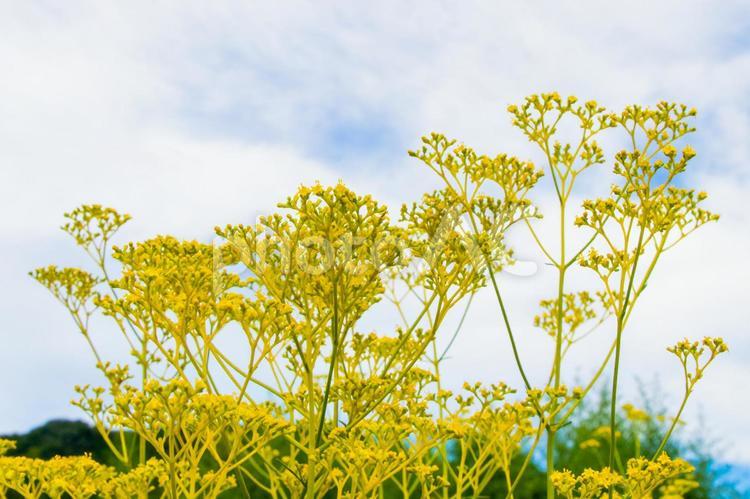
x=312, y=405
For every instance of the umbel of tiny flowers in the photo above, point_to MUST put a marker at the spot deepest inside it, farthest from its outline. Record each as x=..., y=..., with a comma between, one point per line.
x=694, y=358
x=641, y=479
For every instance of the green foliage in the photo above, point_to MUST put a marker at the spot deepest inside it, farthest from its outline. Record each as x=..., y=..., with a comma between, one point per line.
x=60, y=437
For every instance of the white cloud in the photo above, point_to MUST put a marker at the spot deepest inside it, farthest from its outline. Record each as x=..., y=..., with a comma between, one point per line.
x=189, y=116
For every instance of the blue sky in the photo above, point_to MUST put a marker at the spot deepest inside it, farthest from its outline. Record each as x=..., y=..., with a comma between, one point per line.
x=189, y=116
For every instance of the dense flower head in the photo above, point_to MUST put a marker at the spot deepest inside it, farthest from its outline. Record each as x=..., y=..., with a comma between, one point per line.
x=330, y=240
x=578, y=309
x=93, y=225
x=75, y=288
x=640, y=480
x=70, y=476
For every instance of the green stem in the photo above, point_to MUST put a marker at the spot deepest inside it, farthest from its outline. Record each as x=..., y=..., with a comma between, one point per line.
x=673, y=426
x=507, y=327
x=557, y=363
x=550, y=461
x=526, y=461
x=331, y=367
x=618, y=341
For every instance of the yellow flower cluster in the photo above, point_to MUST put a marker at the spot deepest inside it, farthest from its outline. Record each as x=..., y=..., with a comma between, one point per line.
x=76, y=477
x=250, y=364
x=642, y=478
